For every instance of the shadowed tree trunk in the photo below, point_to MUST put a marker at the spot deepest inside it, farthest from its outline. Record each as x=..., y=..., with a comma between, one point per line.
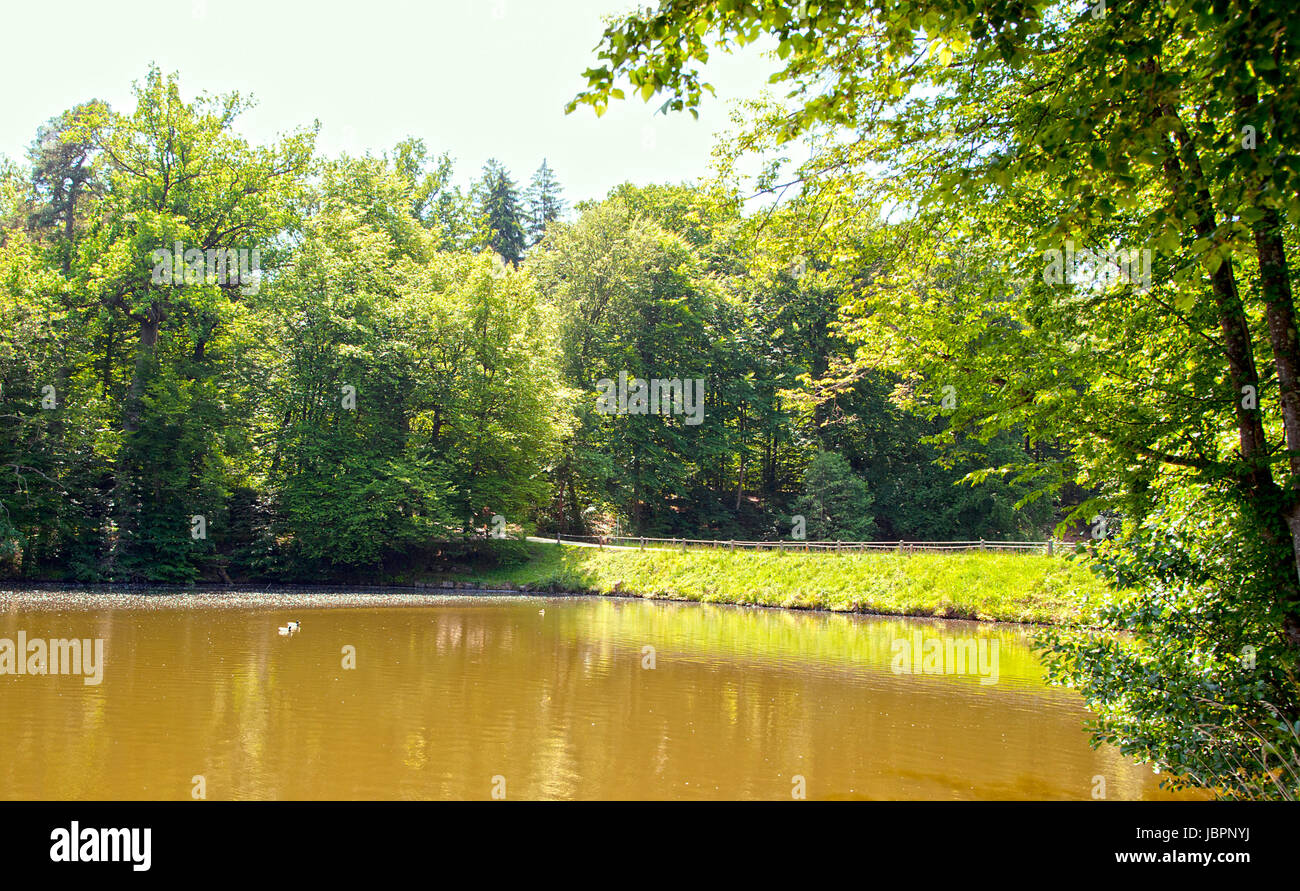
x=146, y=348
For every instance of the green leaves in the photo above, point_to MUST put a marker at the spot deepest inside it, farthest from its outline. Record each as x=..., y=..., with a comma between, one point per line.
x=835, y=502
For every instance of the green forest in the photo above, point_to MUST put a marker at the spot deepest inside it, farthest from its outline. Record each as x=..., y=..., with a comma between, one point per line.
x=411, y=359
x=1008, y=269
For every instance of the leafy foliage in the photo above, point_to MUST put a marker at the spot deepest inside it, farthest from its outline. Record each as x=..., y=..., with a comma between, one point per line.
x=835, y=502
x=952, y=148
x=386, y=383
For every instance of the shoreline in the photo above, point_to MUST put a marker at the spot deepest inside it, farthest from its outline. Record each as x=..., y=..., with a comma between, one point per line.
x=250, y=596
x=1031, y=590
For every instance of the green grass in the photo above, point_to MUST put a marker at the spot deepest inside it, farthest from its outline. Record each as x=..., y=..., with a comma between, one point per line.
x=969, y=585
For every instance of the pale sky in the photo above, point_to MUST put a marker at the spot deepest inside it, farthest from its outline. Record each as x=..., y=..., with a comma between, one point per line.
x=475, y=78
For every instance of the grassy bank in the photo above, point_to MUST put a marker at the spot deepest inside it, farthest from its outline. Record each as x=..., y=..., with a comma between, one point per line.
x=986, y=586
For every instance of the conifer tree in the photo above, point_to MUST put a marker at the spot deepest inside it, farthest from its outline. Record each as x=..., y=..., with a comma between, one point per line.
x=500, y=215
x=544, y=202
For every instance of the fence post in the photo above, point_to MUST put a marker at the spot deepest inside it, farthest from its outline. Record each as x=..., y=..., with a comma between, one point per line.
x=1049, y=547
x=902, y=547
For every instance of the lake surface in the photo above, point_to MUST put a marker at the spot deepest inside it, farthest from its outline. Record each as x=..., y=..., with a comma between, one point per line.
x=461, y=697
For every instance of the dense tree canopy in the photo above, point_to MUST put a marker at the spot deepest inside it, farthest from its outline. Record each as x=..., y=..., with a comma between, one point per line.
x=1074, y=221
x=222, y=360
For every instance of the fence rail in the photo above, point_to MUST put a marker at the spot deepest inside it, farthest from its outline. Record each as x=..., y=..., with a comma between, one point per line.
x=907, y=547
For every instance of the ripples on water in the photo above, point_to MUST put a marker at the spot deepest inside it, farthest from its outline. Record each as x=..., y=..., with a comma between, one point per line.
x=552, y=695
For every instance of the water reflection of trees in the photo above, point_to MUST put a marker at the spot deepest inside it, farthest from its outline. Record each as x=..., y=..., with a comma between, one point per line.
x=445, y=698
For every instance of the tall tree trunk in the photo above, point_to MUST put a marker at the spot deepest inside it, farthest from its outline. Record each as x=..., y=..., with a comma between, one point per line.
x=575, y=510
x=1237, y=346
x=146, y=347
x=740, y=481
x=1265, y=498
x=144, y=356
x=1190, y=194
x=1279, y=312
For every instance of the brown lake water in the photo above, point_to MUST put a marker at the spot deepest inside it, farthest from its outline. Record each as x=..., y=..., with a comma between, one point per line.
x=569, y=698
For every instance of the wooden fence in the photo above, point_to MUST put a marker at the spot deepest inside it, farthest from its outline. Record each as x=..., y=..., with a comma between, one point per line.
x=903, y=547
